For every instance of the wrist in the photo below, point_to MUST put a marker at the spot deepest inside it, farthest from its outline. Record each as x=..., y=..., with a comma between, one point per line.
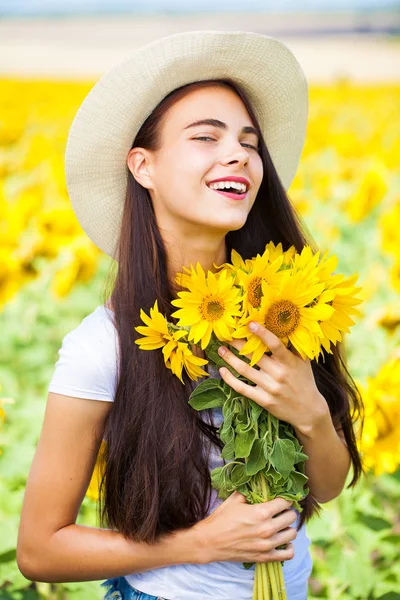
x=321, y=418
x=186, y=546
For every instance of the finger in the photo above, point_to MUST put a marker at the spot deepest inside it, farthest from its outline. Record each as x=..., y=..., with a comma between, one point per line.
x=256, y=393
x=278, y=505
x=276, y=346
x=240, y=365
x=266, y=363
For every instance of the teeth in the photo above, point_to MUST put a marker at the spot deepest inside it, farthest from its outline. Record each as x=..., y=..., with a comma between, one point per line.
x=220, y=185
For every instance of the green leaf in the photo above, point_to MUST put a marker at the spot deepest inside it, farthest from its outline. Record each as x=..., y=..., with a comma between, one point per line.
x=218, y=477
x=300, y=457
x=243, y=443
x=256, y=410
x=239, y=475
x=277, y=478
x=297, y=481
x=207, y=394
x=374, y=523
x=205, y=386
x=209, y=399
x=282, y=456
x=228, y=451
x=7, y=556
x=256, y=460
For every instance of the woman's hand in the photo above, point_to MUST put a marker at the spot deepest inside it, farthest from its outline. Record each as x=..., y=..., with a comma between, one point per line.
x=285, y=384
x=242, y=532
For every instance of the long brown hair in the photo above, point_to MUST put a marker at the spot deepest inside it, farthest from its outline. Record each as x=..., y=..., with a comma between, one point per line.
x=156, y=475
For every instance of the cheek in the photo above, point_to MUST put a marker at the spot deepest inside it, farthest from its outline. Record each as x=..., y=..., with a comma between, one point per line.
x=258, y=170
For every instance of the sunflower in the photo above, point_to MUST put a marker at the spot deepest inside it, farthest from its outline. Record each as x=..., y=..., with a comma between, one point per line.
x=284, y=311
x=380, y=441
x=260, y=269
x=236, y=265
x=339, y=293
x=179, y=355
x=92, y=491
x=343, y=302
x=277, y=251
x=158, y=333
x=210, y=305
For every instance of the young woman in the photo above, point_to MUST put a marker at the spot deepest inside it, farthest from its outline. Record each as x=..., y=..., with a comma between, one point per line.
x=144, y=148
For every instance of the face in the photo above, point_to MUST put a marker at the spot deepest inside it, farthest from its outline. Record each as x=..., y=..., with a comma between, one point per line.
x=191, y=156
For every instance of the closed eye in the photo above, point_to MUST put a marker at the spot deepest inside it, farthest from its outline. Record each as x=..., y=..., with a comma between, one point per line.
x=209, y=138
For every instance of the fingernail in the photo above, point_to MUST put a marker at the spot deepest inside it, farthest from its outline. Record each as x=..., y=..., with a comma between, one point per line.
x=253, y=326
x=221, y=350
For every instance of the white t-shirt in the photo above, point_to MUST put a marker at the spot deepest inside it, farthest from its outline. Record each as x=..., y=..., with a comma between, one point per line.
x=87, y=368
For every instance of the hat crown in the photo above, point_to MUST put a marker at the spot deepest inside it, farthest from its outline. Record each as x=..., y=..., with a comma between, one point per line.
x=112, y=113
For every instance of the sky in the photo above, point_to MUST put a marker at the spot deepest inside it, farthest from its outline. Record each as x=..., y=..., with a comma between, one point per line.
x=59, y=7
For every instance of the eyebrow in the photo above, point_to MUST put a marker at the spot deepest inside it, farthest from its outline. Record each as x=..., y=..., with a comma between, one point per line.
x=220, y=124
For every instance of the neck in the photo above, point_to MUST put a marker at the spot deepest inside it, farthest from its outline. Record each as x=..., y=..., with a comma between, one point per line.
x=206, y=251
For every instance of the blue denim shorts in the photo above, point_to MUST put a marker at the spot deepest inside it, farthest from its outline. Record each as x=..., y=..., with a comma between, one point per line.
x=120, y=589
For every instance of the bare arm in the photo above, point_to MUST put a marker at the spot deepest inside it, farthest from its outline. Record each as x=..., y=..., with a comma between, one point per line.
x=329, y=458
x=51, y=546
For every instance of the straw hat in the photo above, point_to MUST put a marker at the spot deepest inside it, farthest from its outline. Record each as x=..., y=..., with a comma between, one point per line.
x=112, y=113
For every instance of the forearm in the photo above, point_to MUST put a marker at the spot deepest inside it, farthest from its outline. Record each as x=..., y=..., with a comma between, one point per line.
x=80, y=553
x=329, y=458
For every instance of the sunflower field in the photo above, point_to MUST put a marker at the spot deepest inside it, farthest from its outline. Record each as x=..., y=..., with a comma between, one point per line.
x=347, y=191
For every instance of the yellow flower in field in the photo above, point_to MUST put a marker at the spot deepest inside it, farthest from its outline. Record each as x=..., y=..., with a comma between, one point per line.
x=388, y=317
x=158, y=333
x=370, y=193
x=260, y=269
x=284, y=311
x=93, y=489
x=380, y=442
x=210, y=305
x=389, y=229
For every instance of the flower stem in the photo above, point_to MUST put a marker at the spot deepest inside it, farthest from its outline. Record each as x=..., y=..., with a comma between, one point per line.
x=267, y=582
x=281, y=581
x=256, y=590
x=273, y=581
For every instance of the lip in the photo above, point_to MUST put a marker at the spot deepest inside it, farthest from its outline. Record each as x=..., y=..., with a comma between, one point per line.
x=231, y=195
x=231, y=178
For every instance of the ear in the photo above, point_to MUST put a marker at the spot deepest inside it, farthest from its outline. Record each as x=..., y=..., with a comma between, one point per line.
x=138, y=162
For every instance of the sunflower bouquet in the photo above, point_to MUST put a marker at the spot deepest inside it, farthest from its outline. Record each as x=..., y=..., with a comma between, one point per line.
x=297, y=297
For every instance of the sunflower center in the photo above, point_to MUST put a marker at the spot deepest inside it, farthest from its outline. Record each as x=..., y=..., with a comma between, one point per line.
x=282, y=318
x=255, y=292
x=212, y=308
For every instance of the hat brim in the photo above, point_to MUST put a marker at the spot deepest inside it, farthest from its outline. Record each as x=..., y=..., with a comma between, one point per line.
x=112, y=113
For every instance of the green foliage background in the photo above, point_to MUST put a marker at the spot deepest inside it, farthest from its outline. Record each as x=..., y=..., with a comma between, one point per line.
x=355, y=543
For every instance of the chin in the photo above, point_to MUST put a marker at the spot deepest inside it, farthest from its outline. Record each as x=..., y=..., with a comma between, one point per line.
x=227, y=226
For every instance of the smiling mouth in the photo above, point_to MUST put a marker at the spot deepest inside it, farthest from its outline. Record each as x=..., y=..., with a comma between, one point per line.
x=231, y=193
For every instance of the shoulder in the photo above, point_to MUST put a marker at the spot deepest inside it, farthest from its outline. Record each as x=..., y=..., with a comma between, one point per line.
x=88, y=358
x=95, y=333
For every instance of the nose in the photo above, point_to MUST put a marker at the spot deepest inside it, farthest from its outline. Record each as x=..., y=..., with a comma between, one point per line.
x=236, y=153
